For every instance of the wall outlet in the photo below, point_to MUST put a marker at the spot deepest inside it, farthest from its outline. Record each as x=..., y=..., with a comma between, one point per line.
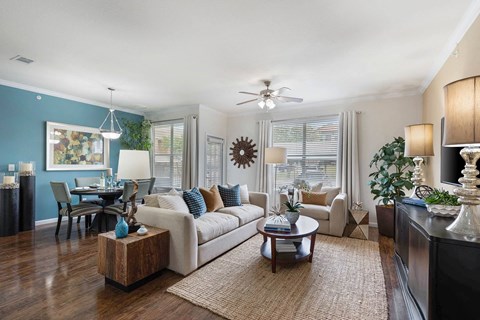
x=11, y=167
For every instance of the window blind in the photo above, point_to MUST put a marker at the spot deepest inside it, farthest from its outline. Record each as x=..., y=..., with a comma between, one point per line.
x=214, y=161
x=311, y=150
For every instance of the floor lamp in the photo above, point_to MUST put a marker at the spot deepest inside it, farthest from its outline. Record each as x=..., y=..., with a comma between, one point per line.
x=418, y=144
x=133, y=165
x=275, y=156
x=462, y=128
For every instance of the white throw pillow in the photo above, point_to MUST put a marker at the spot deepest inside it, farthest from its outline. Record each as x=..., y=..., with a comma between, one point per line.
x=244, y=197
x=332, y=192
x=315, y=188
x=174, y=192
x=174, y=203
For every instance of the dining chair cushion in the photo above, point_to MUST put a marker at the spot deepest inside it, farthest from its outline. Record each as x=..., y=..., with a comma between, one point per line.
x=61, y=192
x=81, y=209
x=114, y=209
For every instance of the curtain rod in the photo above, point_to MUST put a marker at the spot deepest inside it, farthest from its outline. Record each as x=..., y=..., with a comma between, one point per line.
x=304, y=118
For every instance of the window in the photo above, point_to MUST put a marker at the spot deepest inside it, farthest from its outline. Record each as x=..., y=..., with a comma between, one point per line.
x=214, y=161
x=311, y=150
x=168, y=157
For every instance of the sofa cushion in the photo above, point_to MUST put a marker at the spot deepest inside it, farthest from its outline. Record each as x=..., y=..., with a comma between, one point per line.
x=230, y=196
x=318, y=198
x=196, y=204
x=151, y=200
x=332, y=192
x=245, y=213
x=174, y=203
x=213, y=224
x=212, y=198
x=315, y=211
x=244, y=196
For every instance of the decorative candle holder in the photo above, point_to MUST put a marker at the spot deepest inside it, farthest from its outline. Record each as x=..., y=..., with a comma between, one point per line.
x=9, y=180
x=26, y=168
x=27, y=195
x=9, y=203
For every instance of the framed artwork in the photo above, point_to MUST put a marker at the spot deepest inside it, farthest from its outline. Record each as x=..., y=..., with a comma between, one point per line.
x=71, y=147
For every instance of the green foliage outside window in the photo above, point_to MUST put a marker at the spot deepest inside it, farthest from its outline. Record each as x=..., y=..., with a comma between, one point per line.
x=136, y=135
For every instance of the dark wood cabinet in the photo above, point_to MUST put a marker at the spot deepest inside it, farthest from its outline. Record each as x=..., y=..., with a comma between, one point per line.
x=439, y=271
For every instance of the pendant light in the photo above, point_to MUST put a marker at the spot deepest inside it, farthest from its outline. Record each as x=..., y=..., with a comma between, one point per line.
x=111, y=133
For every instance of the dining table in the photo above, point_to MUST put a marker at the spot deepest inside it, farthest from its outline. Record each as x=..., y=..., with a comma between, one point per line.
x=108, y=196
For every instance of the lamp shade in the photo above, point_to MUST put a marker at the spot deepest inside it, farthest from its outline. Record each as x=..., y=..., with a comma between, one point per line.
x=462, y=112
x=419, y=140
x=276, y=155
x=134, y=164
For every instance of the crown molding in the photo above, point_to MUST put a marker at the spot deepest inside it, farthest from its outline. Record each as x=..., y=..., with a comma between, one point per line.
x=465, y=23
x=64, y=96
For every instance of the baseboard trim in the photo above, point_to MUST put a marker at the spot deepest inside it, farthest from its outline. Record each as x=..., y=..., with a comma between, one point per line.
x=46, y=221
x=373, y=225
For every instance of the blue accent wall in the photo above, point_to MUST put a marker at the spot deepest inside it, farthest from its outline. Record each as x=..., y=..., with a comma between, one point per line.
x=22, y=137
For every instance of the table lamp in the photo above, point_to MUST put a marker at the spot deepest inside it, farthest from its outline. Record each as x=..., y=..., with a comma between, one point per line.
x=418, y=144
x=462, y=128
x=133, y=165
x=275, y=156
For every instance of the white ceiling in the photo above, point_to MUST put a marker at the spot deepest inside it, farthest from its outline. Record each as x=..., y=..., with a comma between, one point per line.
x=161, y=54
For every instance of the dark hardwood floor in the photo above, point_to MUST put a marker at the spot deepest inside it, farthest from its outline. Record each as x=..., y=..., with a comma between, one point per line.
x=42, y=277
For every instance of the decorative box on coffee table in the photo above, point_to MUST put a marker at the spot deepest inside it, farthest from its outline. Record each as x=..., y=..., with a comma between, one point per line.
x=357, y=226
x=129, y=262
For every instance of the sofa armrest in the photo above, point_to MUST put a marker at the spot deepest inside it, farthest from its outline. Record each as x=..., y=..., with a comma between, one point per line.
x=183, y=236
x=338, y=215
x=259, y=199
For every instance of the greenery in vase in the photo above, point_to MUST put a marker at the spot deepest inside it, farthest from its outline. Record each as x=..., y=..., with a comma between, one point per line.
x=293, y=207
x=136, y=135
x=392, y=174
x=443, y=197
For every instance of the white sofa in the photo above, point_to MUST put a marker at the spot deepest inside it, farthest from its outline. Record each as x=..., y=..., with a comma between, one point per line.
x=331, y=218
x=194, y=242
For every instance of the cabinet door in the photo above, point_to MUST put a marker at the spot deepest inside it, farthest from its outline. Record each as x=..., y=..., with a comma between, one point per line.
x=402, y=221
x=418, y=268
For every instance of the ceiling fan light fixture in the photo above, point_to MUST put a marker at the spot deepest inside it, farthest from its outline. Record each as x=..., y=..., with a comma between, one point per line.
x=111, y=133
x=269, y=103
x=261, y=104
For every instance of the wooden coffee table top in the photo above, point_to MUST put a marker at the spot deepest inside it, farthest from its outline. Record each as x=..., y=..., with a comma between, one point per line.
x=305, y=226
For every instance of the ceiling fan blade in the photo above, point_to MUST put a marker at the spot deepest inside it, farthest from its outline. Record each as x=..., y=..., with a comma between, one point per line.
x=246, y=101
x=289, y=99
x=251, y=93
x=279, y=91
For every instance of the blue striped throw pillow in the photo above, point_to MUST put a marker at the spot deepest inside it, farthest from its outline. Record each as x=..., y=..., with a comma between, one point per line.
x=195, y=203
x=230, y=196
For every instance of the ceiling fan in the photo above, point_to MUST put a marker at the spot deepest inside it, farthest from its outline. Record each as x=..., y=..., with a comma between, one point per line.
x=268, y=97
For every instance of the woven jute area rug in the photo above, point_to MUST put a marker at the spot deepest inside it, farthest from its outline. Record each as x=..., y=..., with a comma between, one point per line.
x=344, y=281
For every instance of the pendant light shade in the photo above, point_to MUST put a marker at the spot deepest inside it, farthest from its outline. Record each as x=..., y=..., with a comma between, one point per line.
x=111, y=133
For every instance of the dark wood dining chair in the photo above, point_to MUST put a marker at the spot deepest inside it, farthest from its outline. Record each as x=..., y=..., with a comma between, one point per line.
x=63, y=197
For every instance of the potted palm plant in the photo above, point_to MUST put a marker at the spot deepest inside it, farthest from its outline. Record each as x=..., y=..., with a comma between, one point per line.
x=292, y=213
x=391, y=177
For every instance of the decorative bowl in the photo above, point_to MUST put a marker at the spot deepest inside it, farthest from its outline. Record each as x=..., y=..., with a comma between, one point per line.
x=441, y=210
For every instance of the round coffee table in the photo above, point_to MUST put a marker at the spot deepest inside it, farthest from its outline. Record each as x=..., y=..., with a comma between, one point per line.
x=304, y=228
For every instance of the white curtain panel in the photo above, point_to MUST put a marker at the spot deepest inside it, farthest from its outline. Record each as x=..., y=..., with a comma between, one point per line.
x=190, y=153
x=347, y=157
x=264, y=182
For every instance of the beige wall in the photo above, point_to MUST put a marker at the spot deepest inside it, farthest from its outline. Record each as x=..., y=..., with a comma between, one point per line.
x=465, y=64
x=380, y=120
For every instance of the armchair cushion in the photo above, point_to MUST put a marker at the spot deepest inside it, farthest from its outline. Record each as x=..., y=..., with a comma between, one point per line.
x=332, y=192
x=318, y=198
x=315, y=211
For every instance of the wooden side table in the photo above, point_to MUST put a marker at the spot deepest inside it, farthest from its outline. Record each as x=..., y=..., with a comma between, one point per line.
x=357, y=226
x=129, y=262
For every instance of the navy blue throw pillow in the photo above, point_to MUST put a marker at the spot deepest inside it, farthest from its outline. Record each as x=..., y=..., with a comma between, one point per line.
x=195, y=203
x=230, y=197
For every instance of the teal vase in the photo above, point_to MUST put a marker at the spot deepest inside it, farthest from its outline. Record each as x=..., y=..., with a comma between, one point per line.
x=121, y=229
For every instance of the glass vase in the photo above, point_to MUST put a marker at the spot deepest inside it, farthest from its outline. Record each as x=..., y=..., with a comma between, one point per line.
x=121, y=229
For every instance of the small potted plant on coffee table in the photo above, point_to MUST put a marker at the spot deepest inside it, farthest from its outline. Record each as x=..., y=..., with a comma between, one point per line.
x=292, y=213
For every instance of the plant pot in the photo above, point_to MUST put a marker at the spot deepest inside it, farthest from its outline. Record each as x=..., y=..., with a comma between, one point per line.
x=385, y=220
x=291, y=216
